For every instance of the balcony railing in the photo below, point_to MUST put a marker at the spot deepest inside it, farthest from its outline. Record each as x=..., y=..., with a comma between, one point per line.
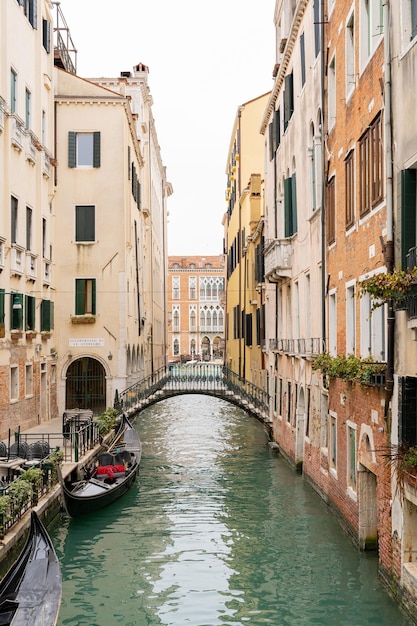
x=278, y=259
x=300, y=347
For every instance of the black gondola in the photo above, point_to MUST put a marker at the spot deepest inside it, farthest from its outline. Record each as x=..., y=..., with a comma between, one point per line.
x=30, y=593
x=114, y=474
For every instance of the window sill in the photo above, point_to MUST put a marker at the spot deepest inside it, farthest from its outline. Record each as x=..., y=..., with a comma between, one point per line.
x=83, y=319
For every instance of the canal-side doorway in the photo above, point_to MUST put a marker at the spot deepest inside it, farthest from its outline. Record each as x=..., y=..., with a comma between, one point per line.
x=86, y=385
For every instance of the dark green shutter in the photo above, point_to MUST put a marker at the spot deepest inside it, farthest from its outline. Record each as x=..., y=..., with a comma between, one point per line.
x=407, y=403
x=29, y=313
x=16, y=311
x=287, y=208
x=294, y=204
x=2, y=330
x=33, y=13
x=93, y=297
x=138, y=195
x=128, y=162
x=85, y=223
x=46, y=35
x=72, y=150
x=51, y=315
x=45, y=315
x=79, y=296
x=408, y=213
x=97, y=147
x=277, y=127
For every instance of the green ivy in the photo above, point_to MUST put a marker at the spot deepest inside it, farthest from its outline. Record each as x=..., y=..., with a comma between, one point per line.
x=106, y=421
x=386, y=286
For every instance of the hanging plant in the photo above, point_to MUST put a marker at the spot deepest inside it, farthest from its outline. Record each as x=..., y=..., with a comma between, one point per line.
x=386, y=286
x=348, y=367
x=402, y=460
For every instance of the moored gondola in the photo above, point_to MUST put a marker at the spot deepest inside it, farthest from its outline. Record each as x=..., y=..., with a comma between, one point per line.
x=114, y=474
x=30, y=593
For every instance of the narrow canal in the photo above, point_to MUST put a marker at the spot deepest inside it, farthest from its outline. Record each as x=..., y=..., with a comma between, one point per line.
x=217, y=531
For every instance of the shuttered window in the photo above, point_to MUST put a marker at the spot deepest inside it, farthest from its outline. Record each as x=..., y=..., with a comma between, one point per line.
x=408, y=213
x=2, y=329
x=16, y=311
x=290, y=206
x=85, y=223
x=85, y=296
x=84, y=149
x=29, y=313
x=47, y=315
x=407, y=409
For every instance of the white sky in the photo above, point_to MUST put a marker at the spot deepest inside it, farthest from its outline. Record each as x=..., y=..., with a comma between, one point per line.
x=205, y=59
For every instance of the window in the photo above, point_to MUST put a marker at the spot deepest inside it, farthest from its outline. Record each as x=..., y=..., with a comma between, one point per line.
x=324, y=417
x=13, y=91
x=349, y=190
x=407, y=410
x=413, y=7
x=288, y=99
x=176, y=347
x=332, y=324
x=289, y=402
x=28, y=228
x=16, y=311
x=85, y=296
x=371, y=28
x=175, y=287
x=192, y=287
x=371, y=167
x=29, y=313
x=290, y=206
x=84, y=149
x=176, y=320
x=331, y=211
x=350, y=55
x=28, y=379
x=46, y=35
x=193, y=319
x=350, y=319
x=14, y=383
x=47, y=315
x=14, y=218
x=2, y=314
x=85, y=223
x=331, y=90
x=373, y=329
x=408, y=213
x=43, y=128
x=333, y=441
x=351, y=456
x=28, y=106
x=302, y=60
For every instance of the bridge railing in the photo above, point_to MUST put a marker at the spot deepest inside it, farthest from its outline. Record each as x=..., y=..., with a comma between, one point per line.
x=205, y=377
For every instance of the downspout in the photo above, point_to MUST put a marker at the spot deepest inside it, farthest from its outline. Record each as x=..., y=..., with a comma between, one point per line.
x=389, y=246
x=323, y=347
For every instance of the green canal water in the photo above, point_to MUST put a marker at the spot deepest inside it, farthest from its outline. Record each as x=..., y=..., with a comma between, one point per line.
x=217, y=531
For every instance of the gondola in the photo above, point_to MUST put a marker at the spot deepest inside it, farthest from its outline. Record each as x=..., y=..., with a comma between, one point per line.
x=30, y=593
x=113, y=475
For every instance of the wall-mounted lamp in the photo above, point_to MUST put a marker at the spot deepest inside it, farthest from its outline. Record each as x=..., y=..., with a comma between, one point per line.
x=110, y=356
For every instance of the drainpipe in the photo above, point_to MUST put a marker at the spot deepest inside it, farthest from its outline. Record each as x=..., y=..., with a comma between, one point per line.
x=389, y=246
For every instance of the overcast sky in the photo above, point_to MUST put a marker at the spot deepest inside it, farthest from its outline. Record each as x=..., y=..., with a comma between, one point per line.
x=205, y=59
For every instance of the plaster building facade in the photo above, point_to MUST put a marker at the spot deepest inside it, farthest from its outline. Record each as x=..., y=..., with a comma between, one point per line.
x=28, y=363
x=196, y=308
x=111, y=211
x=244, y=241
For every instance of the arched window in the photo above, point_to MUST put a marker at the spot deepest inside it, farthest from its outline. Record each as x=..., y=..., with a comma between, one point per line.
x=214, y=320
x=193, y=325
x=176, y=347
x=202, y=320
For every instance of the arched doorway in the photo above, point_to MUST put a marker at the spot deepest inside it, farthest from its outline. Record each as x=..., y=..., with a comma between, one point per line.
x=86, y=385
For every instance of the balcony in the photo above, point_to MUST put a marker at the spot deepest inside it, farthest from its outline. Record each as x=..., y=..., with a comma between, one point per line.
x=309, y=347
x=30, y=150
x=46, y=165
x=16, y=132
x=65, y=53
x=278, y=260
x=2, y=244
x=30, y=265
x=18, y=260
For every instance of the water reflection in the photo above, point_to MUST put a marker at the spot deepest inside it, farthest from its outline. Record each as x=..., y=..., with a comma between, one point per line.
x=218, y=531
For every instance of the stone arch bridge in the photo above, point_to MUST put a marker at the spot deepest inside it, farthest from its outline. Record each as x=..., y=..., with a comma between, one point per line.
x=198, y=378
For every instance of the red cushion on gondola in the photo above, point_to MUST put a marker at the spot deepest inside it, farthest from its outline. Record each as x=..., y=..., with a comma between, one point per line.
x=119, y=468
x=105, y=469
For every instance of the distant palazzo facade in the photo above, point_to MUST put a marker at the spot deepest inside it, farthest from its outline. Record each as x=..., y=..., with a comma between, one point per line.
x=196, y=307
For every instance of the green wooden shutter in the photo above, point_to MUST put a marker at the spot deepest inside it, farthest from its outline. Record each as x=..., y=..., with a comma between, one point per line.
x=277, y=127
x=16, y=311
x=408, y=213
x=97, y=147
x=138, y=195
x=29, y=313
x=72, y=149
x=45, y=315
x=93, y=296
x=2, y=329
x=84, y=223
x=79, y=296
x=294, y=203
x=51, y=315
x=287, y=208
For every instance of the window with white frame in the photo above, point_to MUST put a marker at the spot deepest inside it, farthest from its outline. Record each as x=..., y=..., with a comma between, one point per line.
x=28, y=379
x=331, y=92
x=14, y=382
x=350, y=319
x=84, y=149
x=176, y=347
x=373, y=329
x=192, y=287
x=333, y=440
x=371, y=29
x=351, y=455
x=193, y=318
x=13, y=91
x=408, y=21
x=176, y=318
x=350, y=54
x=28, y=108
x=175, y=287
x=332, y=324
